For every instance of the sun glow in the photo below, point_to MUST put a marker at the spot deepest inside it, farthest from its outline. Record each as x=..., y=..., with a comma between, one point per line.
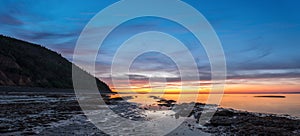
x=232, y=86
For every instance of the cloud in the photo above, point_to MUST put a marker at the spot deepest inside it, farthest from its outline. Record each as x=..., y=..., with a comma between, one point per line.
x=269, y=74
x=38, y=35
x=6, y=19
x=264, y=65
x=137, y=77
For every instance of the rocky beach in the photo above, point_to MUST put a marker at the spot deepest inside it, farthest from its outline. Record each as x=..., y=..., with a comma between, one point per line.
x=45, y=113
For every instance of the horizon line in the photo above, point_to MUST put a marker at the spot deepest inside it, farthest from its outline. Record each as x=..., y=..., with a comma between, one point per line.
x=208, y=93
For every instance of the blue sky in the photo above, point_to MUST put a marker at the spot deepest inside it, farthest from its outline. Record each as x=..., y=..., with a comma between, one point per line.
x=260, y=38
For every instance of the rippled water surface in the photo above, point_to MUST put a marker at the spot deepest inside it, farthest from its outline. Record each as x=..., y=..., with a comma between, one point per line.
x=290, y=104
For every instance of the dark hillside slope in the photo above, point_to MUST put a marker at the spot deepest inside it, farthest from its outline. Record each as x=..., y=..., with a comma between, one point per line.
x=30, y=65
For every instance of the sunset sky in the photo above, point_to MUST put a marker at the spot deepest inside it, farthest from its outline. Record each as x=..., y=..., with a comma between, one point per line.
x=261, y=41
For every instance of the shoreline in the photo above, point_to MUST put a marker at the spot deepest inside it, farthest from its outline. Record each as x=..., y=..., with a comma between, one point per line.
x=45, y=113
x=263, y=114
x=231, y=121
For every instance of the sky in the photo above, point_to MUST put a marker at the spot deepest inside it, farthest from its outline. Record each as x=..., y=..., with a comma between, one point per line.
x=260, y=40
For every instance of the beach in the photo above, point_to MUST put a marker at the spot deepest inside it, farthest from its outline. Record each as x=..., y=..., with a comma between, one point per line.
x=58, y=113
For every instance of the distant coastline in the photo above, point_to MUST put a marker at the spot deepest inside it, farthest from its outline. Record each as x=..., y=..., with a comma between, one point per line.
x=271, y=96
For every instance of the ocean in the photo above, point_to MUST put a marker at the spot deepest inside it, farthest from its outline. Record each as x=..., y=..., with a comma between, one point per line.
x=263, y=103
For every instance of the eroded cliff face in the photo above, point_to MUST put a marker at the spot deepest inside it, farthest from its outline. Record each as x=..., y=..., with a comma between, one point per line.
x=12, y=74
x=31, y=65
x=8, y=72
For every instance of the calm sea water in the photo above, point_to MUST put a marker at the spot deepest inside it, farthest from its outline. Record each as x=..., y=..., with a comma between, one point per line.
x=289, y=105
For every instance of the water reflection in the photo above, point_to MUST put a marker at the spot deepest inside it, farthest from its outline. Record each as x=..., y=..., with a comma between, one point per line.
x=289, y=104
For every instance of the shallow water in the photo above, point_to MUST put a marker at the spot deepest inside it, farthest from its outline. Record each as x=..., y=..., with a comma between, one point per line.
x=56, y=114
x=289, y=105
x=51, y=114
